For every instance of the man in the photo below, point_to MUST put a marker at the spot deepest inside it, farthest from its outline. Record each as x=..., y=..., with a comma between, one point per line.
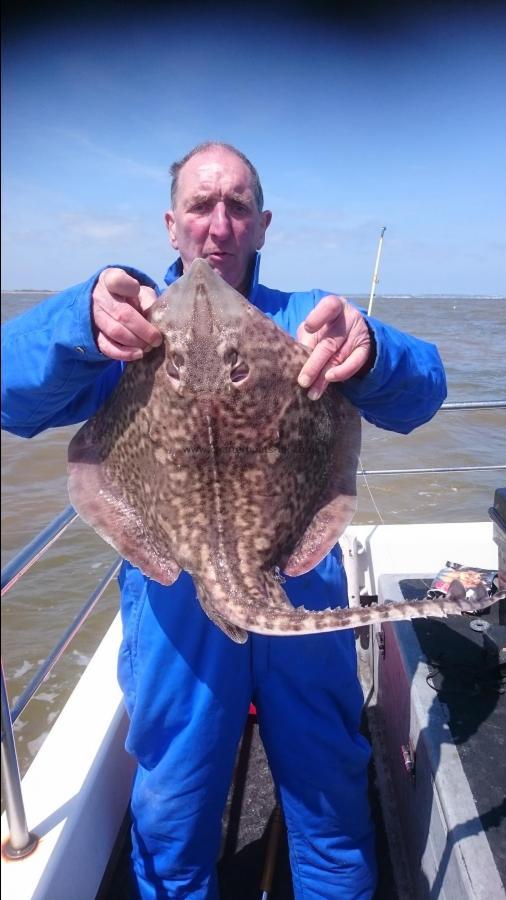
x=187, y=686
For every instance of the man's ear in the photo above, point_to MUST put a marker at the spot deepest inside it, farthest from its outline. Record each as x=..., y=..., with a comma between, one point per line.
x=265, y=221
x=170, y=223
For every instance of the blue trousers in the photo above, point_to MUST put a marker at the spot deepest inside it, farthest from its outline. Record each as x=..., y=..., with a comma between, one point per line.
x=187, y=689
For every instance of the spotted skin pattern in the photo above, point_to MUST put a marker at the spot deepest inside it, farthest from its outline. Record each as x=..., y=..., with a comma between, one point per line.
x=209, y=457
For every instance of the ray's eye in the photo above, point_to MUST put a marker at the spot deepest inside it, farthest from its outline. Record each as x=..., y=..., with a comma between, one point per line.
x=173, y=365
x=231, y=357
x=238, y=369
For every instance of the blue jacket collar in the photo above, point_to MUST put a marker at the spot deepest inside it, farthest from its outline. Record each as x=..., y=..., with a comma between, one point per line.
x=176, y=270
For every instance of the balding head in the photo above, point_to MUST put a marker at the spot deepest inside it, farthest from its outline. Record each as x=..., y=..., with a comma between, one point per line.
x=176, y=167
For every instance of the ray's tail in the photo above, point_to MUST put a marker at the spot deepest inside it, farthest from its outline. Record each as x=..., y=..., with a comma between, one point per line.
x=303, y=621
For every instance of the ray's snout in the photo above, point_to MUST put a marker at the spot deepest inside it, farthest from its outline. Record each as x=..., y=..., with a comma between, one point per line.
x=213, y=297
x=202, y=312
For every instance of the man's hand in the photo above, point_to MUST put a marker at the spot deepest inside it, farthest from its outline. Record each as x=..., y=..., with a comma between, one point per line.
x=119, y=326
x=341, y=342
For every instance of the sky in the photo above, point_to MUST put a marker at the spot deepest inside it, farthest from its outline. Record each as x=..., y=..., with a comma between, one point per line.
x=353, y=125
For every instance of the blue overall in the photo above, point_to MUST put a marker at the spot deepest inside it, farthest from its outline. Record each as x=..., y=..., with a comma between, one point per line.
x=187, y=686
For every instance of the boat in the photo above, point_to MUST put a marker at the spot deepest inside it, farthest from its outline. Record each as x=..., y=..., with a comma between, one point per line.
x=66, y=821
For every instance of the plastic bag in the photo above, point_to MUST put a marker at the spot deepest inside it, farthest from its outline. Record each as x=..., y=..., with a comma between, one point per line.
x=473, y=580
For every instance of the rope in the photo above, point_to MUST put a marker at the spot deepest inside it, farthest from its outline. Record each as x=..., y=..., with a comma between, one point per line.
x=364, y=476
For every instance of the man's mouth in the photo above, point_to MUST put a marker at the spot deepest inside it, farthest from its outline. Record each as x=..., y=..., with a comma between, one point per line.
x=217, y=254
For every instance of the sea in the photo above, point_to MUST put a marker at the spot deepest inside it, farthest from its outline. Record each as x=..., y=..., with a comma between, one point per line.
x=470, y=332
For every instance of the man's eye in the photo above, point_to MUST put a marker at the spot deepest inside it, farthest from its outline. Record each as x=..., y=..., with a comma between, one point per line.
x=238, y=207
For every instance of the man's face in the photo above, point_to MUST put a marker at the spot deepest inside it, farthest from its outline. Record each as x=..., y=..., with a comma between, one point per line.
x=215, y=215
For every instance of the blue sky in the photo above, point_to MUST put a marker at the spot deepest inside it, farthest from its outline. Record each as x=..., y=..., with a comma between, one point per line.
x=351, y=129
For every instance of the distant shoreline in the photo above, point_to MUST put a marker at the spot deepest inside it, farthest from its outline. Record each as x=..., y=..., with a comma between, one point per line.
x=354, y=296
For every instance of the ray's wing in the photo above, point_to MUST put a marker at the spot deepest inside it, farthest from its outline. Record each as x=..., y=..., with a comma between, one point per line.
x=111, y=468
x=338, y=502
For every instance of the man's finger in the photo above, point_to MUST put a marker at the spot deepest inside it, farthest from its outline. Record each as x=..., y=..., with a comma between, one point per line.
x=123, y=324
x=305, y=337
x=349, y=367
x=147, y=297
x=337, y=373
x=120, y=284
x=318, y=387
x=328, y=309
x=322, y=353
x=118, y=351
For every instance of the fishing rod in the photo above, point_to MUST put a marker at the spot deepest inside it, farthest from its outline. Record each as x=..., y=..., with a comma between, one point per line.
x=374, y=282
x=375, y=278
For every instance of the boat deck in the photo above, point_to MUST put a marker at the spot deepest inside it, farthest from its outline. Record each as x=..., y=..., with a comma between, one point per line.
x=440, y=699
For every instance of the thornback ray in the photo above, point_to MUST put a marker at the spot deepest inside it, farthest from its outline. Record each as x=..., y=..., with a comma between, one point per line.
x=209, y=457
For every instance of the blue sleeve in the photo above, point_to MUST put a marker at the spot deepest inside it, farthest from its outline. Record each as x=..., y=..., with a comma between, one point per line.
x=52, y=371
x=406, y=385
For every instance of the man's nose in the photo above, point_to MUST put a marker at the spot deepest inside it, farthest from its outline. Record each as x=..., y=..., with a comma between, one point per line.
x=219, y=225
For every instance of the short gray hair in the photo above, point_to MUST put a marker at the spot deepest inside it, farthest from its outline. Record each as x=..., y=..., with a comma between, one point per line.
x=176, y=167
